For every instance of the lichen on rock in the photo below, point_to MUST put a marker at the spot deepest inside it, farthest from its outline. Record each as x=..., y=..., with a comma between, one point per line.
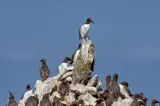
x=82, y=67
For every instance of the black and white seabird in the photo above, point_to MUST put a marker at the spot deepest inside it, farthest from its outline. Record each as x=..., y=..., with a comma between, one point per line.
x=75, y=55
x=64, y=66
x=124, y=89
x=84, y=29
x=28, y=93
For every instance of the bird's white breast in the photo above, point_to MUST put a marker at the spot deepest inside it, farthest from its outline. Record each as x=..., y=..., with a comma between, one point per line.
x=123, y=91
x=84, y=30
x=27, y=95
x=62, y=67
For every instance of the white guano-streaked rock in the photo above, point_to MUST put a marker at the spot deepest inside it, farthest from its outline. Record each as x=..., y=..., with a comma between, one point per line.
x=93, y=81
x=45, y=87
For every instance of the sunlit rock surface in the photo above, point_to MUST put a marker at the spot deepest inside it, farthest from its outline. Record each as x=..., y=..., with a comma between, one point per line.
x=82, y=66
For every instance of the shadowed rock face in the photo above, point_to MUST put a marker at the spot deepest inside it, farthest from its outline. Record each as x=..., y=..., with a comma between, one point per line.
x=77, y=103
x=45, y=101
x=56, y=102
x=11, y=101
x=44, y=70
x=32, y=101
x=64, y=88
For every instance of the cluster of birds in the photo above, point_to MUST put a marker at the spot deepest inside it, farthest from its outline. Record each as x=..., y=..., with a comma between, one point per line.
x=111, y=94
x=114, y=91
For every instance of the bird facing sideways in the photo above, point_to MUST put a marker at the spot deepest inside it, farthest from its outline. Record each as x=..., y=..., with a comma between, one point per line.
x=84, y=29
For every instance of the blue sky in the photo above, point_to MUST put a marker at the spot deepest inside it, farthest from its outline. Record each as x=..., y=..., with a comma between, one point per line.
x=125, y=34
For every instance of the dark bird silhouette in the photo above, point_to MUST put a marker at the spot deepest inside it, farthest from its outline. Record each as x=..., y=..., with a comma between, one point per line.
x=11, y=101
x=108, y=81
x=153, y=103
x=115, y=89
x=44, y=70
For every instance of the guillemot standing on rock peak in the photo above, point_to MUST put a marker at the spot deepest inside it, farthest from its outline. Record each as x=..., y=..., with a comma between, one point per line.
x=84, y=29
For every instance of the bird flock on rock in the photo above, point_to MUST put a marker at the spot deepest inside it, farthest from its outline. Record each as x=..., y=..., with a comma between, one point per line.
x=107, y=97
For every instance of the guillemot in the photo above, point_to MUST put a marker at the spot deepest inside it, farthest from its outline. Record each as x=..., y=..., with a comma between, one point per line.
x=84, y=29
x=11, y=101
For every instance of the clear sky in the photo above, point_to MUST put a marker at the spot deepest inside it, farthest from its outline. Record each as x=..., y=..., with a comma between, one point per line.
x=125, y=34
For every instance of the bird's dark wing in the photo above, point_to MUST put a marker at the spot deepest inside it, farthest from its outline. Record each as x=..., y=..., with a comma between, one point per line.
x=80, y=35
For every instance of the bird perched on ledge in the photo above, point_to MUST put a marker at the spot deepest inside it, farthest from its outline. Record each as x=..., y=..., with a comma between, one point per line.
x=84, y=29
x=44, y=70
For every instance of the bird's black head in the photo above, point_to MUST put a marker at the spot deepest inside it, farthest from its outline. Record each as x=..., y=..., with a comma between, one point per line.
x=43, y=60
x=89, y=20
x=115, y=77
x=66, y=59
x=28, y=87
x=108, y=77
x=11, y=95
x=125, y=83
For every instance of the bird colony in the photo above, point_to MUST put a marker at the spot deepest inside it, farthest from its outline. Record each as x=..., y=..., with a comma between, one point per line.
x=75, y=86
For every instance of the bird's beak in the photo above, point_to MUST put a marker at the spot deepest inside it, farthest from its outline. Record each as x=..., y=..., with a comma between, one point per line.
x=10, y=93
x=158, y=102
x=92, y=22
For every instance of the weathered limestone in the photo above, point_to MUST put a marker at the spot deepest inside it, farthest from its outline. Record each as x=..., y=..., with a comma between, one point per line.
x=88, y=99
x=67, y=74
x=45, y=87
x=124, y=102
x=81, y=71
x=78, y=89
